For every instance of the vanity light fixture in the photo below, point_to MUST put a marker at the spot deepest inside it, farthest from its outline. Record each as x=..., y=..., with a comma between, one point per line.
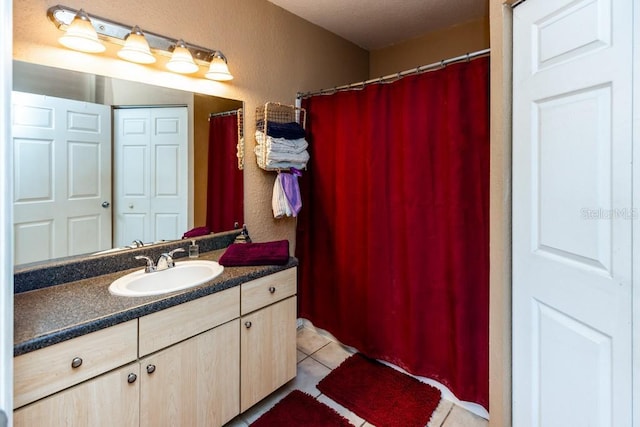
x=81, y=35
x=218, y=69
x=138, y=47
x=181, y=60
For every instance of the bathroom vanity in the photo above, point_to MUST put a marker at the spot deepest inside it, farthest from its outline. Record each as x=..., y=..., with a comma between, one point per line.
x=195, y=357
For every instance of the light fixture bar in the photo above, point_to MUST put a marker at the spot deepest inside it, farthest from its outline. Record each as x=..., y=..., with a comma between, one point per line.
x=116, y=32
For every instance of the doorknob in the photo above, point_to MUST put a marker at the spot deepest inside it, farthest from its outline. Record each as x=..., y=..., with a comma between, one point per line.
x=106, y=204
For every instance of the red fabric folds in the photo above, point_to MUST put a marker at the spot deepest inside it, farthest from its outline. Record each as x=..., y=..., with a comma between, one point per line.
x=393, y=242
x=225, y=200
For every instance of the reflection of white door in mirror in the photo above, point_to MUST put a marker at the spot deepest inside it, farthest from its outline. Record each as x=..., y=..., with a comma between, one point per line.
x=150, y=174
x=115, y=93
x=62, y=164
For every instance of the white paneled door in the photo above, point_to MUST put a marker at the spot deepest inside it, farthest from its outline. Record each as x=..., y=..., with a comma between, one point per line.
x=150, y=169
x=572, y=213
x=61, y=177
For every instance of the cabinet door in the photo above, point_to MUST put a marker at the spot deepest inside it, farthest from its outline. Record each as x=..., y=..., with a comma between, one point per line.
x=51, y=369
x=193, y=383
x=268, y=351
x=108, y=400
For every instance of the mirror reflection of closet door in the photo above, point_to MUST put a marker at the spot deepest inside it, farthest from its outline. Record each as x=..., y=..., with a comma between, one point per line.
x=62, y=179
x=150, y=174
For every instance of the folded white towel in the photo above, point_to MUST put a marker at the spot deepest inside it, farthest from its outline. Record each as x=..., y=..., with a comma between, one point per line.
x=279, y=202
x=275, y=156
x=281, y=145
x=274, y=166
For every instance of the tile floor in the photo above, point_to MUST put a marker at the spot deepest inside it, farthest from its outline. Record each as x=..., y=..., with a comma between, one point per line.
x=318, y=354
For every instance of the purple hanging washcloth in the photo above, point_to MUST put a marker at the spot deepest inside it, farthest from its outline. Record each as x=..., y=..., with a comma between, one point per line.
x=267, y=253
x=292, y=190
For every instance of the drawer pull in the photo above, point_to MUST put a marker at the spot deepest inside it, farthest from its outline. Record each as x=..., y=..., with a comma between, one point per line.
x=76, y=362
x=272, y=289
x=151, y=369
x=247, y=324
x=131, y=378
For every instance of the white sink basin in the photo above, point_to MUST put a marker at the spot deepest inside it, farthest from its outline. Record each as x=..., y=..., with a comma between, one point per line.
x=184, y=275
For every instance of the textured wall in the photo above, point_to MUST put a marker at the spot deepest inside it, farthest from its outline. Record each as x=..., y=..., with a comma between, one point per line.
x=272, y=55
x=432, y=47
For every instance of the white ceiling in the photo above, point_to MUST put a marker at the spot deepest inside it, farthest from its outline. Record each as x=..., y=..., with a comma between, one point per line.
x=373, y=24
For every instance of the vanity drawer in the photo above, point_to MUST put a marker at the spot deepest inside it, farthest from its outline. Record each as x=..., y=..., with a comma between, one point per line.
x=172, y=325
x=43, y=372
x=267, y=290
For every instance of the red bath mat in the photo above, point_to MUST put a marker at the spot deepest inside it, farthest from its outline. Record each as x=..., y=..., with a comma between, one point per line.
x=301, y=409
x=381, y=395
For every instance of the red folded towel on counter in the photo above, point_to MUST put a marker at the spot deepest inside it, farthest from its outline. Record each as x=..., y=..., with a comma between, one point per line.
x=267, y=253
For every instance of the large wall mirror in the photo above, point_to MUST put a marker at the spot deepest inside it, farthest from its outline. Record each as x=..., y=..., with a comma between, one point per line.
x=103, y=164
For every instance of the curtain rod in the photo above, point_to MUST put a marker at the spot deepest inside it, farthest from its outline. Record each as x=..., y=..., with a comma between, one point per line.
x=223, y=113
x=393, y=77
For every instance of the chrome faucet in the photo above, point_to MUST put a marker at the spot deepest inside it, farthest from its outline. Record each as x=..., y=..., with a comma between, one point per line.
x=166, y=260
x=136, y=244
x=151, y=267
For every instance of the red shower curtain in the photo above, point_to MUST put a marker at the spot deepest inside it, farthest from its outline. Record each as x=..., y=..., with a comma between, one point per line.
x=393, y=239
x=224, y=183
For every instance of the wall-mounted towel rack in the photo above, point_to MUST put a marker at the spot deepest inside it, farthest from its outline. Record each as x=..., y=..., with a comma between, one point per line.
x=274, y=112
x=240, y=152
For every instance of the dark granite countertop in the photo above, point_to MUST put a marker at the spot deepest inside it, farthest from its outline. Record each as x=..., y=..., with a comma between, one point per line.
x=53, y=314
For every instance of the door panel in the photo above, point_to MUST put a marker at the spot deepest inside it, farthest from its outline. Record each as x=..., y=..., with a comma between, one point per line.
x=590, y=29
x=193, y=383
x=62, y=175
x=267, y=351
x=573, y=129
x=107, y=400
x=151, y=174
x=169, y=201
x=572, y=212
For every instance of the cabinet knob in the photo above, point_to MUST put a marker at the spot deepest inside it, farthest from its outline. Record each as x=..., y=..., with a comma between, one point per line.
x=272, y=289
x=151, y=369
x=131, y=378
x=247, y=324
x=76, y=362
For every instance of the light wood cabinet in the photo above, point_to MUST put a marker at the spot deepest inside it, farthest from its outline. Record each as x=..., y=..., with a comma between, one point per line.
x=267, y=290
x=108, y=400
x=164, y=328
x=193, y=383
x=267, y=337
x=43, y=372
x=200, y=363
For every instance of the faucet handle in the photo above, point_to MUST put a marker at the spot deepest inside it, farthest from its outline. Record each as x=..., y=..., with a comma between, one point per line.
x=150, y=265
x=166, y=260
x=174, y=251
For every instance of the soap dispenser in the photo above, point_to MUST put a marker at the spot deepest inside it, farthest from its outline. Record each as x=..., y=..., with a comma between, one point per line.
x=243, y=237
x=194, y=250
